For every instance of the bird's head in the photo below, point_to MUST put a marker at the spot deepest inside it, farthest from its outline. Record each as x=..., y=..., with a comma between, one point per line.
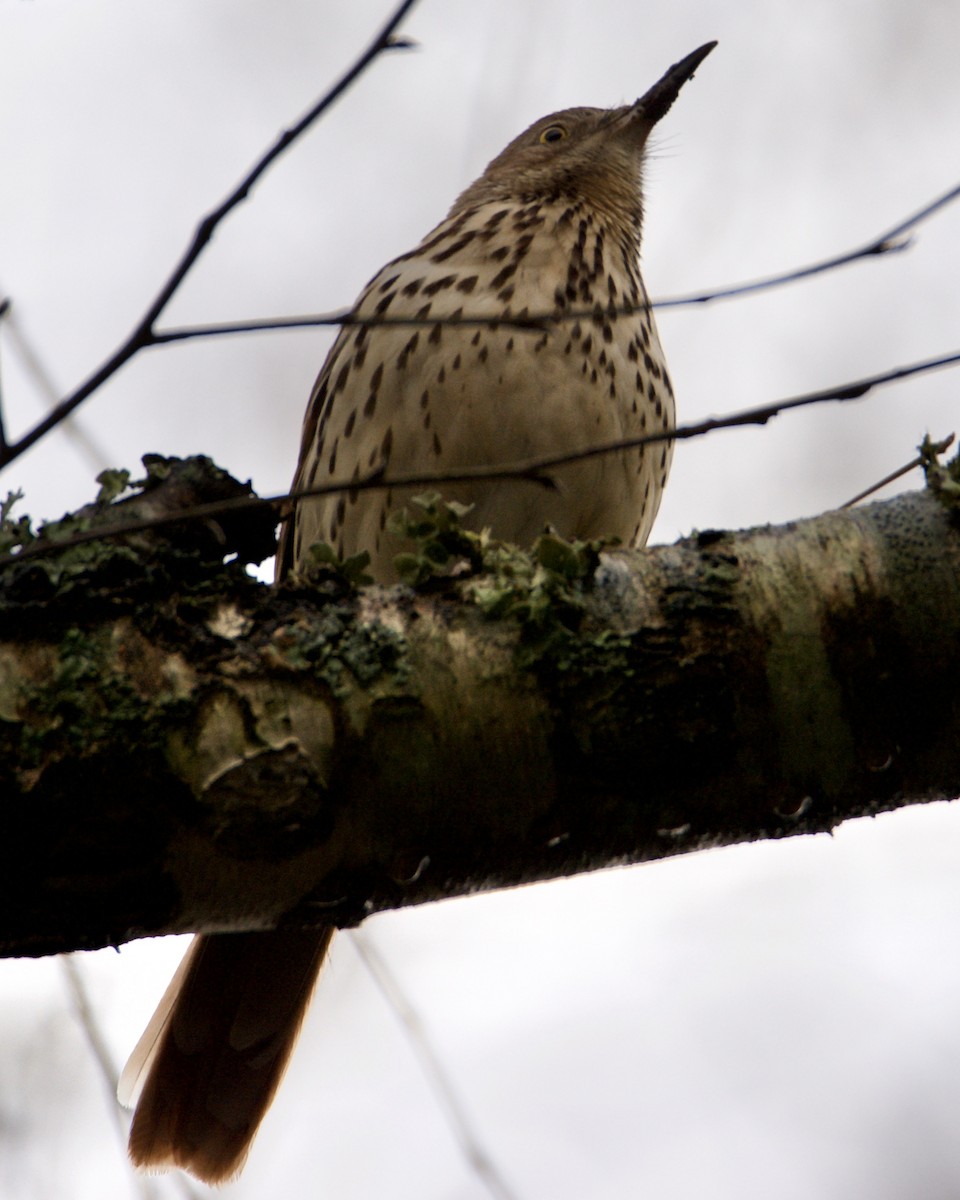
x=594, y=154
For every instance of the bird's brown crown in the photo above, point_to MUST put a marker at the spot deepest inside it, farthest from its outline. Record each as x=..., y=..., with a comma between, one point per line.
x=594, y=154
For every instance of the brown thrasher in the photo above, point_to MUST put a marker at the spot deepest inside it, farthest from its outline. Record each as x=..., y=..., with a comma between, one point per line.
x=551, y=227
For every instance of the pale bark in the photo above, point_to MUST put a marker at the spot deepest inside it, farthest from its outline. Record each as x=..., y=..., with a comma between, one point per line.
x=227, y=755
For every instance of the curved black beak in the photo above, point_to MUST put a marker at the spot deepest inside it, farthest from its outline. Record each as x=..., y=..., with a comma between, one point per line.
x=656, y=103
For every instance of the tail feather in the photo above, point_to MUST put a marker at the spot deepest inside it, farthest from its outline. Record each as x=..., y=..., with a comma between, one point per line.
x=214, y=1054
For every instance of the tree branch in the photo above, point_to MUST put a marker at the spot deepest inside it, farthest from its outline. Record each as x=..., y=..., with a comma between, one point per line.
x=182, y=748
x=143, y=334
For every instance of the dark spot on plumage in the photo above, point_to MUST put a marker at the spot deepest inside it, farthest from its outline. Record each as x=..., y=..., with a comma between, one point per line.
x=388, y=284
x=663, y=462
x=576, y=331
x=371, y=458
x=593, y=375
x=342, y=378
x=568, y=347
x=383, y=519
x=411, y=288
x=566, y=217
x=583, y=368
x=611, y=286
x=651, y=391
x=442, y=236
x=436, y=444
x=349, y=424
x=638, y=382
x=509, y=346
x=384, y=304
x=314, y=467
x=386, y=445
x=499, y=254
x=503, y=275
x=360, y=337
x=333, y=528
x=435, y=334
x=441, y=374
x=643, y=419
x=646, y=333
x=438, y=285
x=602, y=360
x=332, y=466
x=376, y=378
x=360, y=357
x=587, y=344
x=632, y=353
x=540, y=343
x=582, y=235
x=482, y=354
x=424, y=399
x=521, y=246
x=341, y=510
x=559, y=299
x=506, y=293
x=633, y=406
x=666, y=381
x=370, y=405
x=475, y=340
x=571, y=291
x=613, y=390
x=426, y=419
x=464, y=240
x=467, y=285
x=651, y=366
x=493, y=221
x=636, y=528
x=407, y=350
x=424, y=311
x=598, y=255
x=646, y=492
x=456, y=363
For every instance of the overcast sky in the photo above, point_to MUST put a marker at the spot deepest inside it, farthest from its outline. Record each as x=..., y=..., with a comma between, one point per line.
x=764, y=1021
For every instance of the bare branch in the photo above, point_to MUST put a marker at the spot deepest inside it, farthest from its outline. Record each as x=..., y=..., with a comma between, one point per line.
x=940, y=447
x=531, y=470
x=203, y=759
x=34, y=366
x=143, y=334
x=441, y=1084
x=892, y=241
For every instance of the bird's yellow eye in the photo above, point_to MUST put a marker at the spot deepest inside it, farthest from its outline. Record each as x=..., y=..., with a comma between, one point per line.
x=553, y=133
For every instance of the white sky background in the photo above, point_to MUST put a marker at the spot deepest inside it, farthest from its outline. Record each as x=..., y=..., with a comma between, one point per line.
x=767, y=1021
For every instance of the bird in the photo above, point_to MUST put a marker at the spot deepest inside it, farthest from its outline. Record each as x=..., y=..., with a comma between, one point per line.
x=528, y=332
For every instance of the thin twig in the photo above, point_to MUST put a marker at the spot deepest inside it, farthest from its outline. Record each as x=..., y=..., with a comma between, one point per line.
x=530, y=470
x=450, y=1103
x=4, y=315
x=83, y=1010
x=143, y=333
x=34, y=366
x=940, y=447
x=892, y=241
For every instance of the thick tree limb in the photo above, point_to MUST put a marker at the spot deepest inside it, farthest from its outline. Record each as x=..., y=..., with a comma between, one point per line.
x=182, y=748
